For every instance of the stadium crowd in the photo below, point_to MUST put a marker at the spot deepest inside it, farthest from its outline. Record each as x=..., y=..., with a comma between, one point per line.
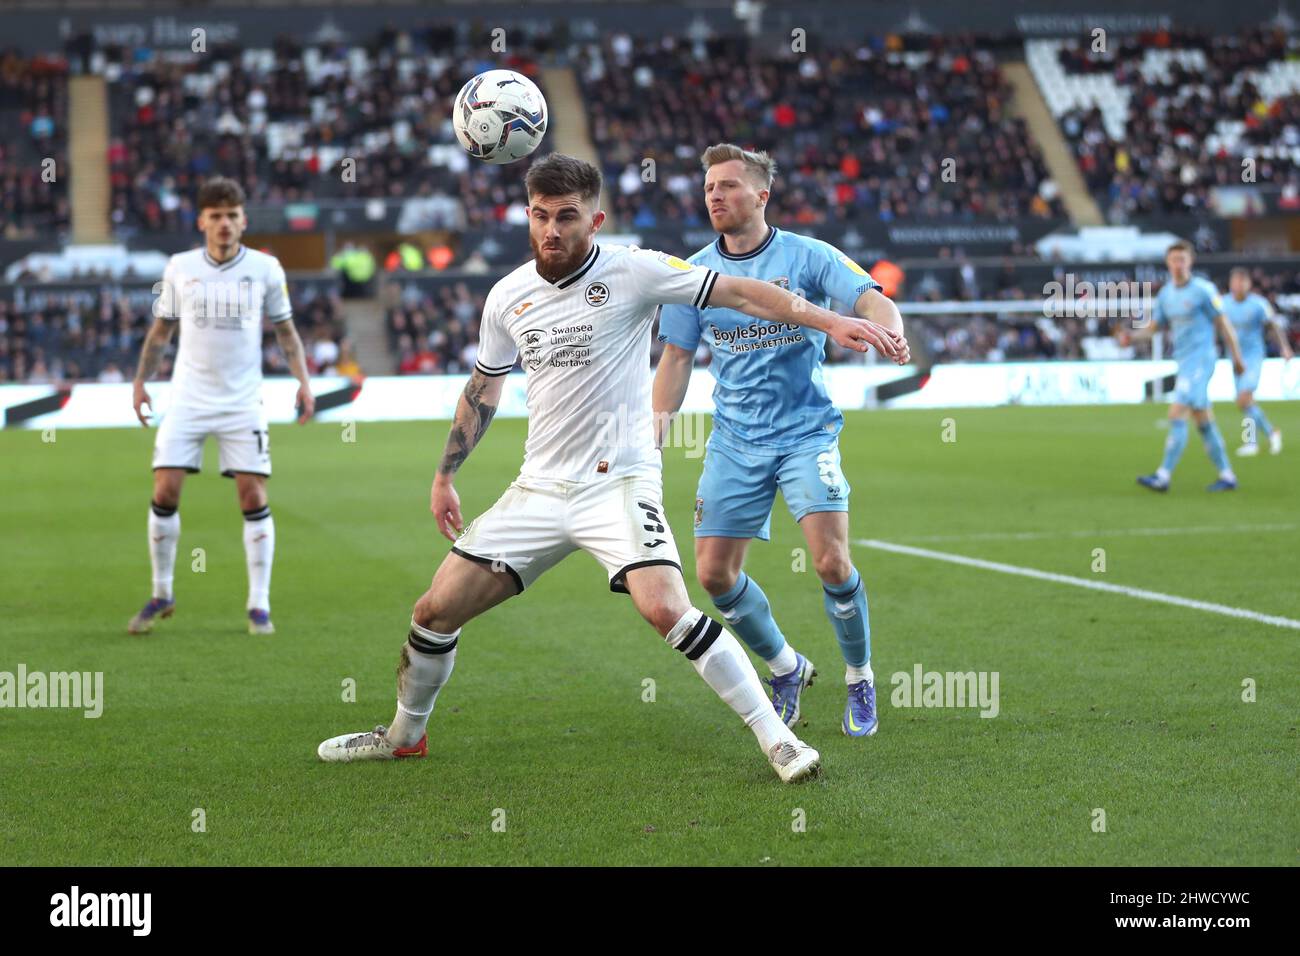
x=294, y=122
x=1189, y=125
x=860, y=132
x=101, y=341
x=33, y=114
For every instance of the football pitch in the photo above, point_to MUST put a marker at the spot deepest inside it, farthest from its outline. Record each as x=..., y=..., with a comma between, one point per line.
x=1127, y=730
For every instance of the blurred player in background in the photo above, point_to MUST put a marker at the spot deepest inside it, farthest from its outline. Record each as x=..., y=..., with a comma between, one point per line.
x=580, y=315
x=1192, y=308
x=218, y=295
x=774, y=426
x=1251, y=317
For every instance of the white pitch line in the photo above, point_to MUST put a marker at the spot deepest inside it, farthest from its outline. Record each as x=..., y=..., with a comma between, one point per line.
x=1099, y=533
x=1140, y=593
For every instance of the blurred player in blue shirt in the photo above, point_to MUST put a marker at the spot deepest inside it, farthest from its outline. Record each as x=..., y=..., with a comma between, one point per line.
x=1191, y=308
x=1251, y=316
x=774, y=426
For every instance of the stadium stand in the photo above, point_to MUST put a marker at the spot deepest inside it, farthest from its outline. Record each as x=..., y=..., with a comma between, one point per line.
x=33, y=113
x=282, y=119
x=1162, y=118
x=102, y=343
x=860, y=132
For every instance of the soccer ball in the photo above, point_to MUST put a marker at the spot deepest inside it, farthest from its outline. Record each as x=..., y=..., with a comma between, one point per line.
x=499, y=116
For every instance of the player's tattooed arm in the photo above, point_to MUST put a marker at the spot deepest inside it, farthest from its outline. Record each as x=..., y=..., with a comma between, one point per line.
x=478, y=403
x=155, y=344
x=295, y=356
x=151, y=353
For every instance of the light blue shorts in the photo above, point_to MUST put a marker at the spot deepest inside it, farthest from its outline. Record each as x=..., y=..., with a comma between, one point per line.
x=738, y=486
x=1192, y=387
x=1248, y=381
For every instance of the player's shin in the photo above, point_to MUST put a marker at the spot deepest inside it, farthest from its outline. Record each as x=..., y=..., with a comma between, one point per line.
x=746, y=609
x=846, y=607
x=259, y=550
x=426, y=664
x=1262, y=425
x=1174, y=445
x=722, y=662
x=1214, y=447
x=164, y=533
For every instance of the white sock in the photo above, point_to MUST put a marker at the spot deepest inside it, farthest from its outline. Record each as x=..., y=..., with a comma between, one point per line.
x=724, y=665
x=164, y=533
x=1228, y=475
x=1162, y=473
x=785, y=661
x=259, y=550
x=427, y=661
x=853, y=675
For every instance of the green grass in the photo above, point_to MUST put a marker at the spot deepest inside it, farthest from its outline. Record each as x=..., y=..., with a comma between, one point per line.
x=1106, y=701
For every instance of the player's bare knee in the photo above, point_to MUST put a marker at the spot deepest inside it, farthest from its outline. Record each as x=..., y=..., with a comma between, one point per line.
x=166, y=491
x=663, y=615
x=833, y=567
x=716, y=578
x=433, y=612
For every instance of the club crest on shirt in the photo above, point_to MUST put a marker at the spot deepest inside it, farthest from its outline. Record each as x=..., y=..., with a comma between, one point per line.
x=597, y=294
x=534, y=342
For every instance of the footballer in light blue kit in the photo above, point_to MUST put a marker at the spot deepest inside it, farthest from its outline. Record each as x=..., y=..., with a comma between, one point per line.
x=774, y=426
x=1251, y=316
x=1192, y=309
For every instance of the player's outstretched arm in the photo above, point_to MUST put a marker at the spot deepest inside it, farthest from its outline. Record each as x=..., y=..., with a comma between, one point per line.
x=1230, y=340
x=671, y=379
x=295, y=356
x=767, y=301
x=474, y=411
x=151, y=353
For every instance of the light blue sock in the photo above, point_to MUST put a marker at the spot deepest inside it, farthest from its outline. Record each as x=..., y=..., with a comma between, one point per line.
x=1214, y=446
x=1174, y=445
x=1262, y=426
x=746, y=611
x=846, y=606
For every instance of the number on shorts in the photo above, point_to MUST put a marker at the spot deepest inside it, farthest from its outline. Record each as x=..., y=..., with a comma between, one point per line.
x=652, y=515
x=263, y=440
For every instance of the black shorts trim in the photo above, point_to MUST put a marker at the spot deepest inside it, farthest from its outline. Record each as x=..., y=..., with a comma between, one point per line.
x=616, y=583
x=192, y=471
x=233, y=472
x=519, y=582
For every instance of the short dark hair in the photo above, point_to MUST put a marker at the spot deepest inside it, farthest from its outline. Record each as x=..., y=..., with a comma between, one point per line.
x=560, y=175
x=1239, y=271
x=220, y=192
x=1182, y=245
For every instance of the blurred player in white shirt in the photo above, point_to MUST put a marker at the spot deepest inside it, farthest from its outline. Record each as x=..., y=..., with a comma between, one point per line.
x=218, y=295
x=579, y=317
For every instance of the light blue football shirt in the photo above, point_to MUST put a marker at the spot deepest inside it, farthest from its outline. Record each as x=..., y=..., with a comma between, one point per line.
x=1248, y=318
x=769, y=387
x=1189, y=311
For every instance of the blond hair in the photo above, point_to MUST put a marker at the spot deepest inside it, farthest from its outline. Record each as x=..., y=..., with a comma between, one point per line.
x=758, y=164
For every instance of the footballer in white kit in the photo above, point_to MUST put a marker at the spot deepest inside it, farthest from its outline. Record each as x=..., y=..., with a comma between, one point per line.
x=217, y=295
x=578, y=319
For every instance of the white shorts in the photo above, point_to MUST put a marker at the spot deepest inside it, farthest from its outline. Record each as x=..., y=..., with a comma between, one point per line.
x=243, y=441
x=538, y=522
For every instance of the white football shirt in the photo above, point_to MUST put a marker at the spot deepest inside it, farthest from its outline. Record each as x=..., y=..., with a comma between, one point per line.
x=584, y=342
x=220, y=308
